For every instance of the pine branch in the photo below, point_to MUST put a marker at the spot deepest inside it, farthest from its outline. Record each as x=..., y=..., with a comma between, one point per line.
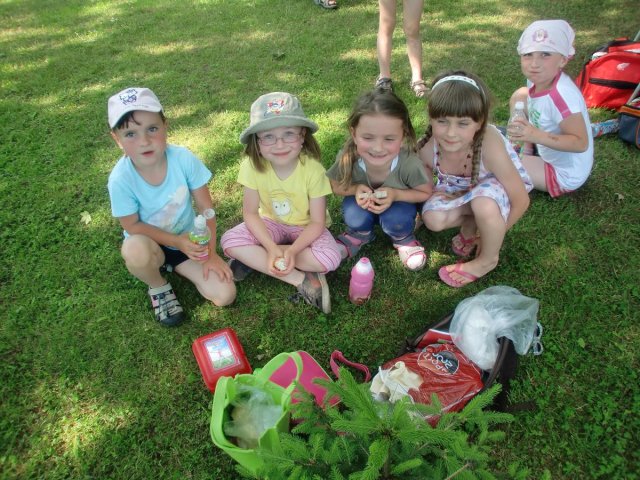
x=458, y=471
x=362, y=439
x=411, y=464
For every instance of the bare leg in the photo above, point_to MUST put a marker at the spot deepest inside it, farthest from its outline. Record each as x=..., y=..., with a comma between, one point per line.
x=438, y=220
x=411, y=16
x=213, y=289
x=387, y=24
x=492, y=229
x=535, y=168
x=143, y=258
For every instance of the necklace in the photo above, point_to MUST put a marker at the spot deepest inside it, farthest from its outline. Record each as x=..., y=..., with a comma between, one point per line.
x=451, y=178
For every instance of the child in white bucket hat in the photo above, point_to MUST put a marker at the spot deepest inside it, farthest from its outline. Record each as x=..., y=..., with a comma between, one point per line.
x=284, y=233
x=557, y=144
x=151, y=189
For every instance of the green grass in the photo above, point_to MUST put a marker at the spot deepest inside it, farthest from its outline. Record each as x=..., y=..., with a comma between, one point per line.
x=92, y=387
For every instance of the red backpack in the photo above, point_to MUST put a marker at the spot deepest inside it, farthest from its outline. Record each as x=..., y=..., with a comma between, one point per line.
x=611, y=74
x=448, y=373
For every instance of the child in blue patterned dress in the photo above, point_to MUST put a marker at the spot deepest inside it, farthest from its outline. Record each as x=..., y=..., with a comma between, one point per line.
x=481, y=186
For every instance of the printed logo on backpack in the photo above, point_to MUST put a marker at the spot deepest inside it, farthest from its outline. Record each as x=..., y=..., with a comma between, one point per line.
x=441, y=362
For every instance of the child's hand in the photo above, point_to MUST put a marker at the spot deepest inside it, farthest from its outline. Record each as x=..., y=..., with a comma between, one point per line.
x=219, y=267
x=519, y=130
x=363, y=196
x=381, y=200
x=274, y=256
x=190, y=249
x=290, y=260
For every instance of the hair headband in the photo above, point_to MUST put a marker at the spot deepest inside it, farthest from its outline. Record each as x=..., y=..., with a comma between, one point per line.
x=460, y=78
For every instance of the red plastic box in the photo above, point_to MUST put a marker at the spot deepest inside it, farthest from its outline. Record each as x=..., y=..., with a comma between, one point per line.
x=220, y=354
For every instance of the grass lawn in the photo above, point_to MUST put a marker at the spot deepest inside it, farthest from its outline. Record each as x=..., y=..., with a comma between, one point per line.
x=92, y=387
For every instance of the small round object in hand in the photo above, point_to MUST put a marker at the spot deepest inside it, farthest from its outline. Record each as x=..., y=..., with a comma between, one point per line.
x=280, y=264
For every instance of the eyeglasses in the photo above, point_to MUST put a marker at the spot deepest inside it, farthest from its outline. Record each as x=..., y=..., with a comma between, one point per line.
x=288, y=137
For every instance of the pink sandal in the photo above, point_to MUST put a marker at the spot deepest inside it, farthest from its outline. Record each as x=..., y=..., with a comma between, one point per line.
x=412, y=255
x=468, y=245
x=445, y=276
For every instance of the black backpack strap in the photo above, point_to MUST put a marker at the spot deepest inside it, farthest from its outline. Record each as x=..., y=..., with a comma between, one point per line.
x=503, y=371
x=410, y=344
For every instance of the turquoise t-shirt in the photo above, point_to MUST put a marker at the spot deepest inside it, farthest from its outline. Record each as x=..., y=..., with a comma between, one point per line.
x=167, y=206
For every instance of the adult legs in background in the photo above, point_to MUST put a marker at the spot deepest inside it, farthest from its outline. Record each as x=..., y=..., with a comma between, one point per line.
x=411, y=16
x=411, y=23
x=386, y=26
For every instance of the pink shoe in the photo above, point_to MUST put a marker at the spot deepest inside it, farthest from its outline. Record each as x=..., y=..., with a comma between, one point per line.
x=445, y=276
x=412, y=255
x=468, y=245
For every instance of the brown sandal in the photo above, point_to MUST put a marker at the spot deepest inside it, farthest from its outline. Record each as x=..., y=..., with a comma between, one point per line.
x=419, y=88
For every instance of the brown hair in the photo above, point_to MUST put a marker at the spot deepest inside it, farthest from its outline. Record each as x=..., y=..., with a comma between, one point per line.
x=377, y=101
x=310, y=147
x=129, y=117
x=458, y=98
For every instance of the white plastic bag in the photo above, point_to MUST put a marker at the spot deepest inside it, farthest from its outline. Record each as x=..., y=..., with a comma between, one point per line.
x=254, y=412
x=394, y=383
x=479, y=321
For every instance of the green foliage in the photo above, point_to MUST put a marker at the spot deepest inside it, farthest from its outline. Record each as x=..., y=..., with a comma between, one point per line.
x=359, y=438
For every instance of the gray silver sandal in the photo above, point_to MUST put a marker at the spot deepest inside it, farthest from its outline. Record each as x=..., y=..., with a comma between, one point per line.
x=384, y=83
x=328, y=4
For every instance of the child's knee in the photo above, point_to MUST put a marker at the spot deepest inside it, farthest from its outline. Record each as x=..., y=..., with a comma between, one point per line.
x=433, y=221
x=220, y=295
x=486, y=210
x=411, y=29
x=332, y=259
x=139, y=250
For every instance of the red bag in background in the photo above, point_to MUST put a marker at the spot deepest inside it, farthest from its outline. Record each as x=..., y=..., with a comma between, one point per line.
x=445, y=371
x=611, y=74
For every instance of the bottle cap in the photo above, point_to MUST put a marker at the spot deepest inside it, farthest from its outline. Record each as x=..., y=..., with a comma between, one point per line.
x=209, y=213
x=519, y=105
x=364, y=265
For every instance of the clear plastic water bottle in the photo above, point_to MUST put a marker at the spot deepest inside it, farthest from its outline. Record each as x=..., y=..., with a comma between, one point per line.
x=518, y=114
x=361, y=282
x=201, y=234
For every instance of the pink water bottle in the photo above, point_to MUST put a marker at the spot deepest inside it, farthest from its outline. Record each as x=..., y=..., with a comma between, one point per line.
x=361, y=281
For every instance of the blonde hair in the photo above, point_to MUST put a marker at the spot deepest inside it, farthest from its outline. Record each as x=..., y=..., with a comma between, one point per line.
x=310, y=147
x=376, y=101
x=460, y=98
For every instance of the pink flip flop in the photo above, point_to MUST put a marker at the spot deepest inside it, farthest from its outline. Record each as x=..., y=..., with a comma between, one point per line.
x=445, y=276
x=468, y=245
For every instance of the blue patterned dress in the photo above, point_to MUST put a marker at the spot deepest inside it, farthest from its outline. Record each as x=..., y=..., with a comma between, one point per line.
x=452, y=191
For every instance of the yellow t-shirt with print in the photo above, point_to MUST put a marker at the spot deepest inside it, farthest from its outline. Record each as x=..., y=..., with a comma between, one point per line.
x=287, y=201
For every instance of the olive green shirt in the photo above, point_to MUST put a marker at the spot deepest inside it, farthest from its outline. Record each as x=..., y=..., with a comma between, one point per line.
x=407, y=172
